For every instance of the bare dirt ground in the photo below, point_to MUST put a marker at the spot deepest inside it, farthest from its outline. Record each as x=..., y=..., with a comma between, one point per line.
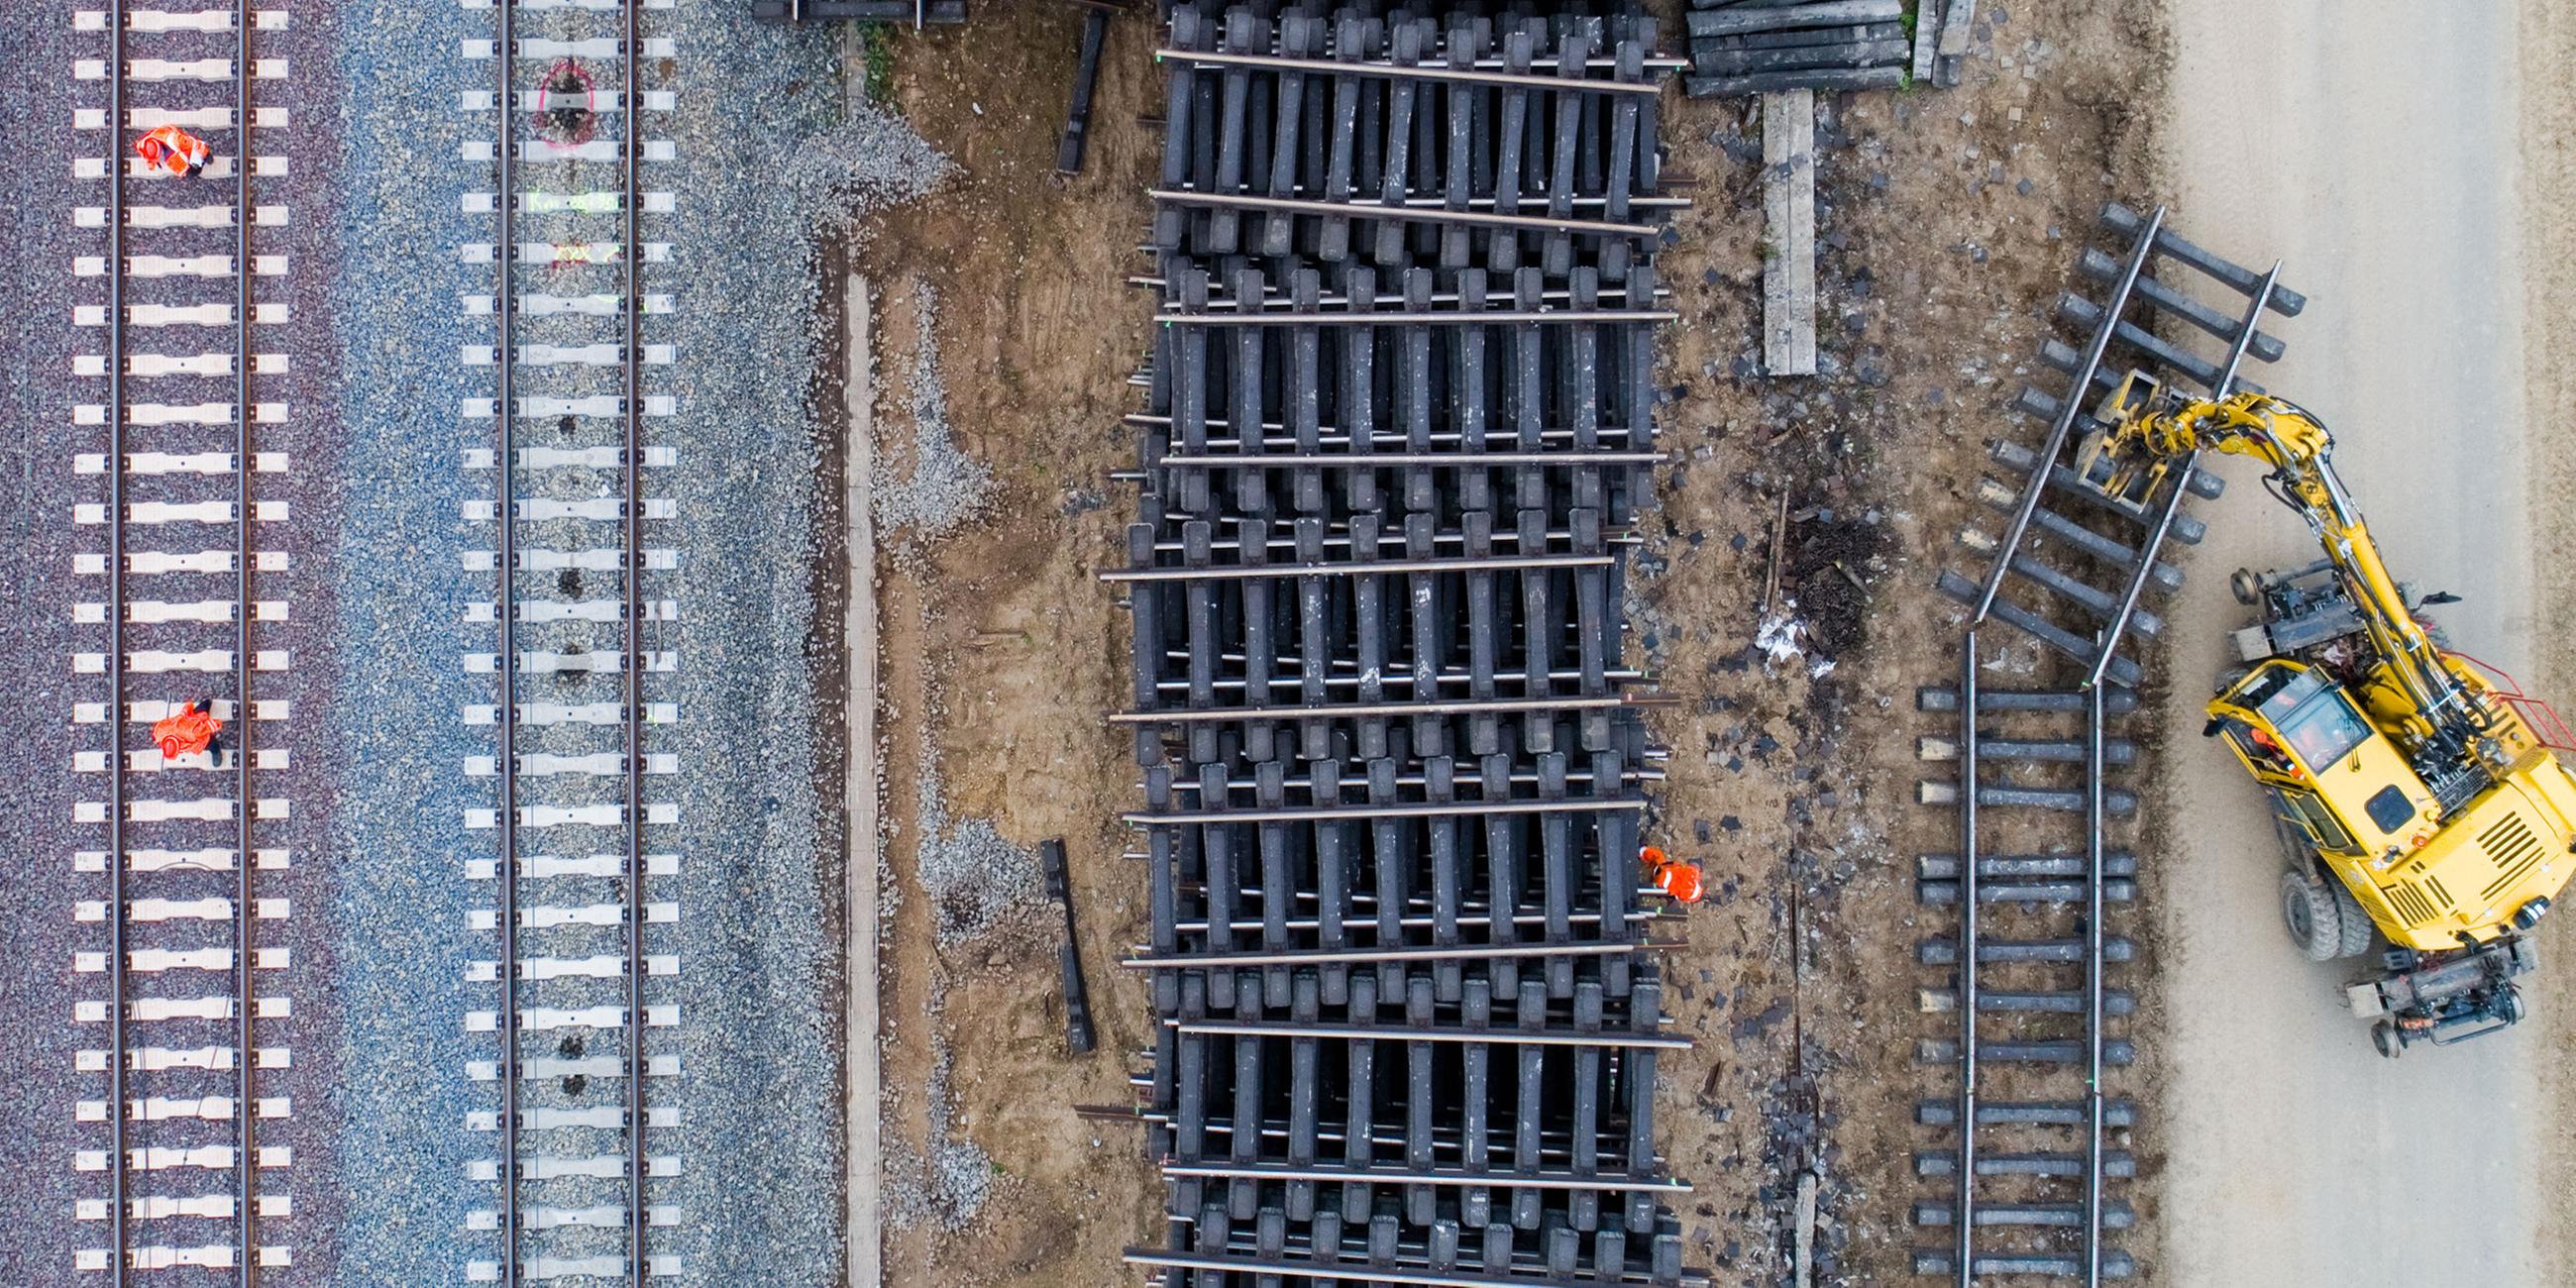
x=1949, y=222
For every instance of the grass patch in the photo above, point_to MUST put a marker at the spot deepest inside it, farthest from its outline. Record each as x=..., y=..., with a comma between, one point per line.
x=876, y=48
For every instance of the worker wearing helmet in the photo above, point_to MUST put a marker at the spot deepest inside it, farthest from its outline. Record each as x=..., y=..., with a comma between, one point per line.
x=191, y=730
x=174, y=150
x=1677, y=879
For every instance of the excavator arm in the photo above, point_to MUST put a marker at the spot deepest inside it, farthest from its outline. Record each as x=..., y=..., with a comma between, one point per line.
x=2416, y=687
x=2436, y=806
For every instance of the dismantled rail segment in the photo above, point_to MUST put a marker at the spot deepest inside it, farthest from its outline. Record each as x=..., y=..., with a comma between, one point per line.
x=1766, y=46
x=578, y=845
x=1400, y=429
x=184, y=1099
x=2071, y=579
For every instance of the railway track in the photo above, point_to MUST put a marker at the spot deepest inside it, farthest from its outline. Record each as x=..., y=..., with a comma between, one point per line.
x=190, y=1079
x=585, y=865
x=1398, y=434
x=2024, y=1181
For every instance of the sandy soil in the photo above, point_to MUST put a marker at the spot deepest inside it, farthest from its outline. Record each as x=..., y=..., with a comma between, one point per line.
x=2380, y=154
x=2548, y=39
x=999, y=651
x=1949, y=222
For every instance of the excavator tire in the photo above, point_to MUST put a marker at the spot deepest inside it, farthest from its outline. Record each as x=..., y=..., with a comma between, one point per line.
x=2384, y=1036
x=2358, y=932
x=2309, y=912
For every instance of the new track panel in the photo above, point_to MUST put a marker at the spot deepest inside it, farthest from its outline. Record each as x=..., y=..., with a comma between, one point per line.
x=187, y=1091
x=580, y=1077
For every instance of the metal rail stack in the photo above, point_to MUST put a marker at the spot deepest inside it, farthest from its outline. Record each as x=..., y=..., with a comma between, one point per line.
x=2074, y=574
x=1398, y=437
x=575, y=829
x=920, y=13
x=180, y=1078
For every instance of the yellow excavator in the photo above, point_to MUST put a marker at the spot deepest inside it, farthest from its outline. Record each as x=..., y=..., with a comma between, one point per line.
x=2416, y=790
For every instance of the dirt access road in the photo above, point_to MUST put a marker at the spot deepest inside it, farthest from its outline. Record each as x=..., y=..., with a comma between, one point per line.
x=2378, y=149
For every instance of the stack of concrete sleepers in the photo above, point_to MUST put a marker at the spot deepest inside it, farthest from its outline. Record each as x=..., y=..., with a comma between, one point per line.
x=1397, y=440
x=1759, y=46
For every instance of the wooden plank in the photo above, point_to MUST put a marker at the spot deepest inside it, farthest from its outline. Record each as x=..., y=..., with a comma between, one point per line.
x=1927, y=38
x=1789, y=220
x=1773, y=82
x=1803, y=1243
x=863, y=1052
x=1836, y=13
x=1802, y=36
x=1956, y=26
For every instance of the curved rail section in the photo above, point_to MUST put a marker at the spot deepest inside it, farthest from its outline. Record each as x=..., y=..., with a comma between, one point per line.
x=2032, y=1138
x=580, y=845
x=188, y=1094
x=1399, y=434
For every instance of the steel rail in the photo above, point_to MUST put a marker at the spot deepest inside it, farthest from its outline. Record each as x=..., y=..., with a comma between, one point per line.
x=1282, y=433
x=1419, y=71
x=1340, y=297
x=1357, y=567
x=1548, y=61
x=245, y=1102
x=1367, y=710
x=2094, y=716
x=1606, y=1037
x=1970, y=859
x=1554, y=1143
x=505, y=307
x=1415, y=778
x=1544, y=1180
x=2067, y=410
x=1416, y=809
x=1423, y=953
x=632, y=353
x=1403, y=212
x=1391, y=678
x=1253, y=1264
x=118, y=1199
x=1363, y=912
x=1469, y=459
x=1469, y=318
x=1341, y=537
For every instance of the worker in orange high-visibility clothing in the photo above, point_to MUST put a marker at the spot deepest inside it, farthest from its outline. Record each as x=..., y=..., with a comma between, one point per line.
x=1672, y=876
x=193, y=729
x=173, y=149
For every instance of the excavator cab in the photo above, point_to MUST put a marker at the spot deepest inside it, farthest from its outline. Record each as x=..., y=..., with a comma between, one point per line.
x=2333, y=776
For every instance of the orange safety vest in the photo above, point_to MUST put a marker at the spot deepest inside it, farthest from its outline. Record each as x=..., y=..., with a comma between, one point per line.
x=1680, y=880
x=185, y=733
x=173, y=149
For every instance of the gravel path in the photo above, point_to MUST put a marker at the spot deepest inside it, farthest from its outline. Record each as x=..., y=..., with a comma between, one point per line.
x=36, y=480
x=765, y=160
